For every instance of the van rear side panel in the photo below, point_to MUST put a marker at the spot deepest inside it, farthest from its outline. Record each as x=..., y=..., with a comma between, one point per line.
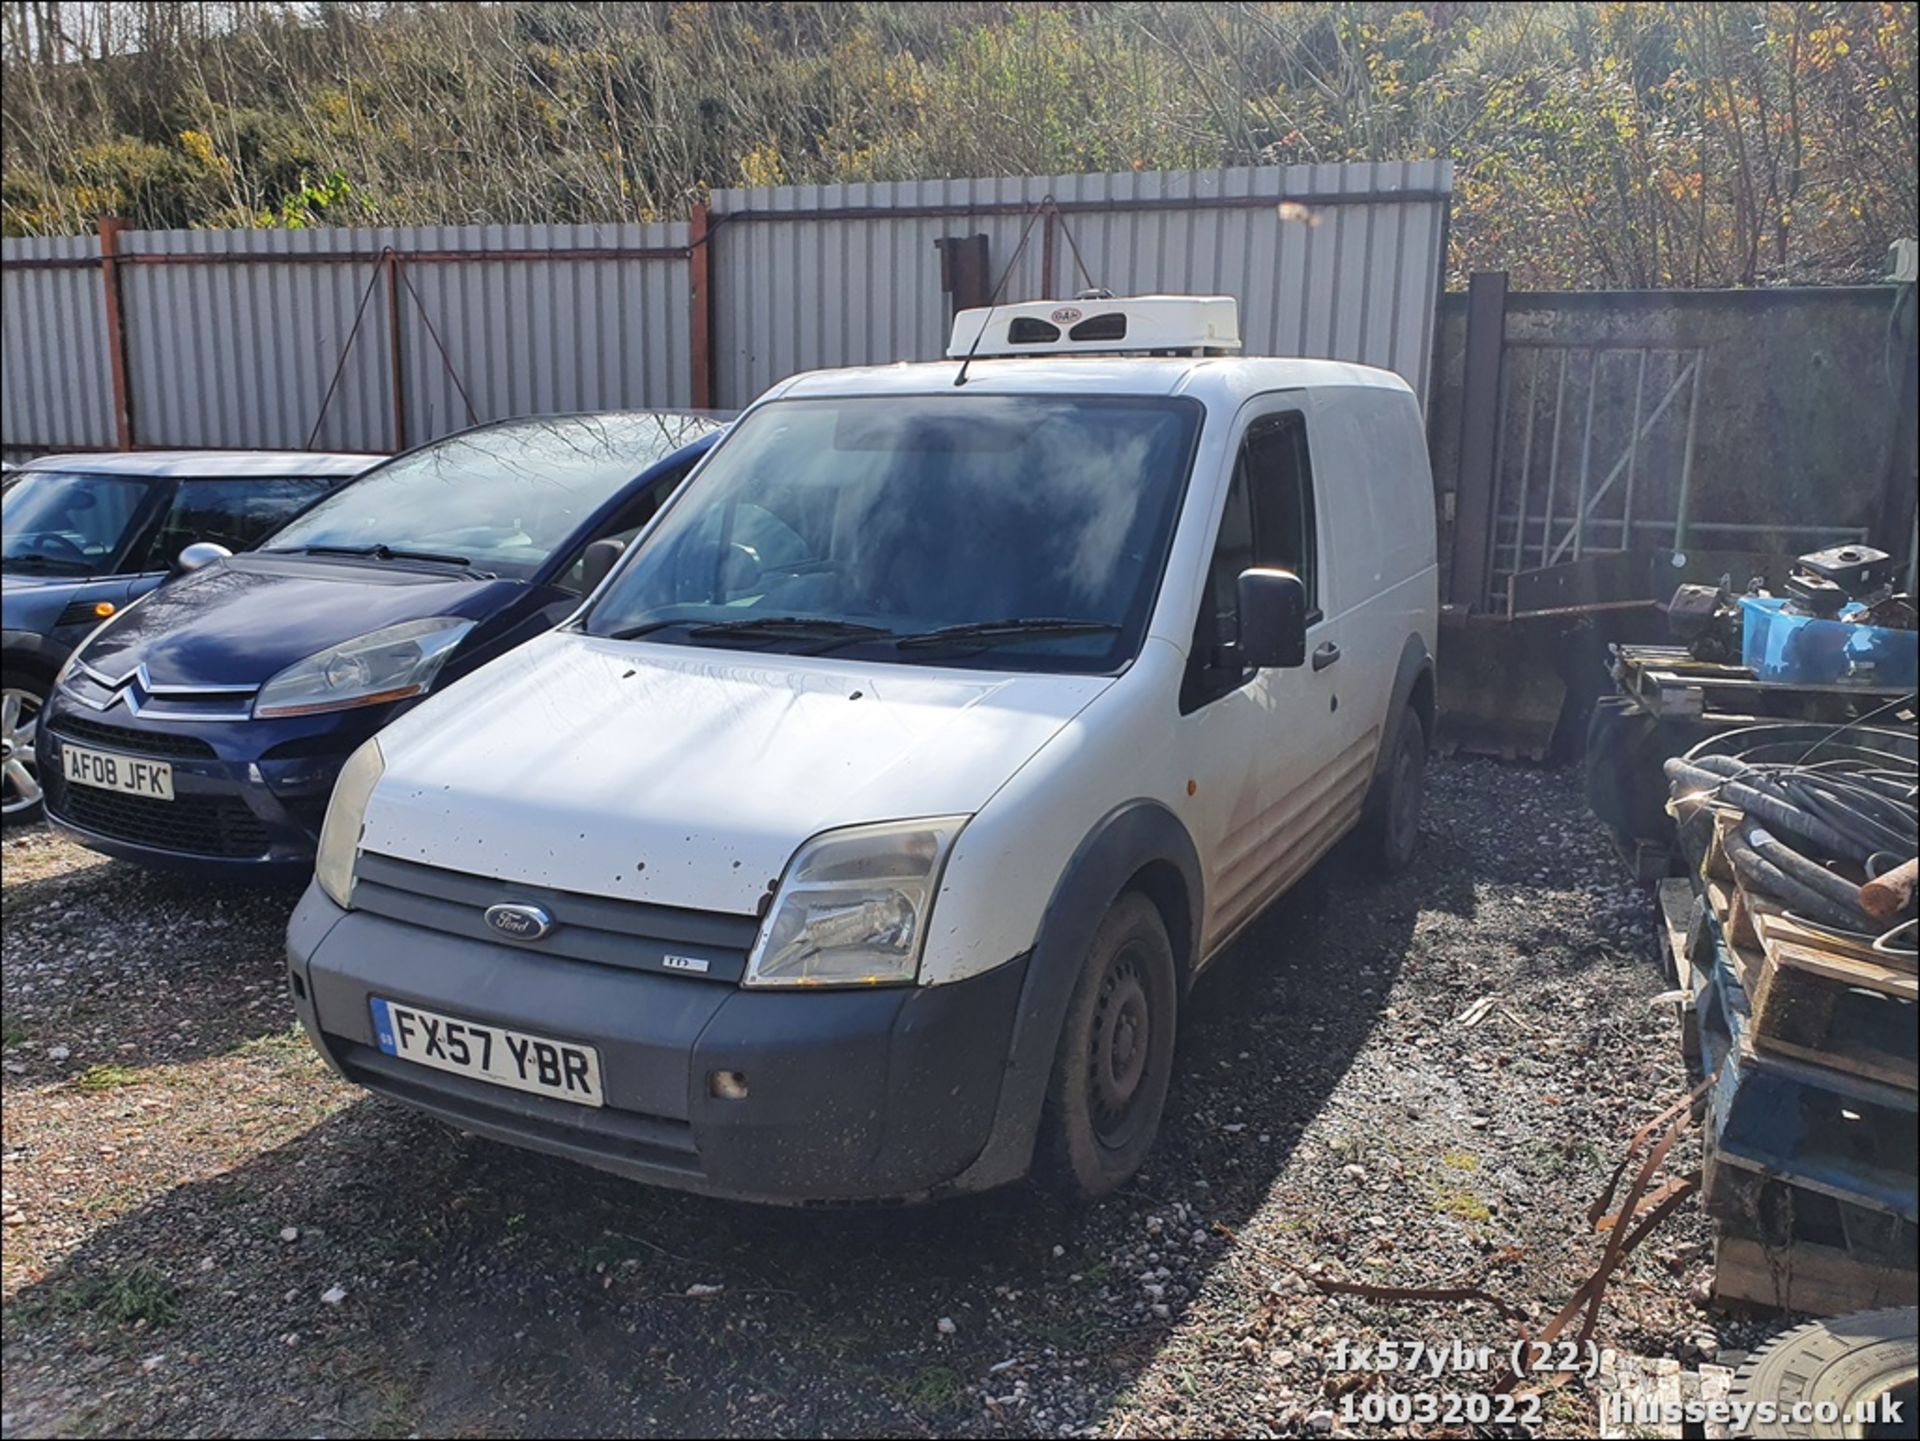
x=1374, y=489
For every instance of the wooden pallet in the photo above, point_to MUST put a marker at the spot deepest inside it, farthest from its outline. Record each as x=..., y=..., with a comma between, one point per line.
x=1855, y=1016
x=1780, y=1215
x=1829, y=1131
x=1814, y=1280
x=1666, y=681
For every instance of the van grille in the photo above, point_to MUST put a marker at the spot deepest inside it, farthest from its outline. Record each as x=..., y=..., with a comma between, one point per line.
x=632, y=935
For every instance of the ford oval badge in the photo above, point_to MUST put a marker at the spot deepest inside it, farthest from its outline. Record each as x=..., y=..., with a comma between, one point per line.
x=519, y=923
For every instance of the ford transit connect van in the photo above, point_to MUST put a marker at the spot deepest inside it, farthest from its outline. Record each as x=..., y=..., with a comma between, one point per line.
x=861, y=835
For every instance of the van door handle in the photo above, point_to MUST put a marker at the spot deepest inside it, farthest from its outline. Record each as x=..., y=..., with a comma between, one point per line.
x=1325, y=655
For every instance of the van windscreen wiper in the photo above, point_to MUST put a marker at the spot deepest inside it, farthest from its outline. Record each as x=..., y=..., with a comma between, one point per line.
x=999, y=632
x=762, y=627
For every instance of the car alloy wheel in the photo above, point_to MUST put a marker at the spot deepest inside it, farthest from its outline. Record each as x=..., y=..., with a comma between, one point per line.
x=19, y=769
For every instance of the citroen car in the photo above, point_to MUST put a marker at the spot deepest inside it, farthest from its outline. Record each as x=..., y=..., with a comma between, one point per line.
x=204, y=723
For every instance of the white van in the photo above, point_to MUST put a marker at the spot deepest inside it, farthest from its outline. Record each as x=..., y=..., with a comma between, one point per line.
x=861, y=835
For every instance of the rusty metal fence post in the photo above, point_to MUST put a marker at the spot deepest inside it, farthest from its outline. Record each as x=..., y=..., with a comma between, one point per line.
x=110, y=227
x=1480, y=421
x=396, y=356
x=700, y=288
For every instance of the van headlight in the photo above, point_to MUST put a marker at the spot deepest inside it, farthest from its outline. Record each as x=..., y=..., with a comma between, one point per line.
x=340, y=832
x=384, y=665
x=853, y=907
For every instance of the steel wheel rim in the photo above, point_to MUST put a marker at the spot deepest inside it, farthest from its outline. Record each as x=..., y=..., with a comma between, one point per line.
x=1119, y=1052
x=1408, y=775
x=19, y=770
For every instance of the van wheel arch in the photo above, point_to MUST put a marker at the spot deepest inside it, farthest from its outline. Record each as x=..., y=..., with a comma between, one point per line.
x=1140, y=845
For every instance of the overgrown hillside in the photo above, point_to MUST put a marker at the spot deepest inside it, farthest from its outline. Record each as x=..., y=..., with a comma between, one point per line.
x=1596, y=144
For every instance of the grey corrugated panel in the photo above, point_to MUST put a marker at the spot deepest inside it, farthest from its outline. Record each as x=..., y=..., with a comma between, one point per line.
x=1354, y=281
x=244, y=354
x=56, y=385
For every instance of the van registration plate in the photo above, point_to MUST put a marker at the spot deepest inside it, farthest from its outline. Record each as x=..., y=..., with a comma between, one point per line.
x=560, y=1070
x=110, y=772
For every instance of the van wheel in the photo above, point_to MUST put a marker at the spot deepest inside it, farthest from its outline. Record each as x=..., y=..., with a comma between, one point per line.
x=24, y=693
x=1393, y=824
x=1115, y=1059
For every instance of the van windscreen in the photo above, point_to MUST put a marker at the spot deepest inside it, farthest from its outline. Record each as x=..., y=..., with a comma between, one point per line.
x=1010, y=532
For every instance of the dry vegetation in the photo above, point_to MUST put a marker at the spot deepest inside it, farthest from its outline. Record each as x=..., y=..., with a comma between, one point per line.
x=1597, y=144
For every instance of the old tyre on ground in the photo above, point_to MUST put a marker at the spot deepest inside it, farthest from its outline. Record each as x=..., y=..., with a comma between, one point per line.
x=1115, y=1058
x=1390, y=831
x=1850, y=1362
x=22, y=695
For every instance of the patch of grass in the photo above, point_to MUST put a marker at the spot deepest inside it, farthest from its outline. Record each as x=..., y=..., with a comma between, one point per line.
x=12, y=1033
x=281, y=1046
x=1348, y=1150
x=1461, y=1204
x=106, y=1078
x=932, y=1390
x=138, y=1294
x=1460, y=1160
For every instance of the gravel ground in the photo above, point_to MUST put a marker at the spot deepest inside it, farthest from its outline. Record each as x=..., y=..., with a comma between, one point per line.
x=205, y=1233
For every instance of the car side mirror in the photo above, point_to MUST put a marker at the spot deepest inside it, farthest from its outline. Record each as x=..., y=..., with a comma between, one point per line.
x=1273, y=619
x=200, y=555
x=598, y=561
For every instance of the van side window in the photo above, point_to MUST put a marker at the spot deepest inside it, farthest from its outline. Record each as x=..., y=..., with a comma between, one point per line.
x=1267, y=521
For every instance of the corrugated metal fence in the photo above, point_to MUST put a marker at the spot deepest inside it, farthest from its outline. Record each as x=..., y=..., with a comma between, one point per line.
x=374, y=339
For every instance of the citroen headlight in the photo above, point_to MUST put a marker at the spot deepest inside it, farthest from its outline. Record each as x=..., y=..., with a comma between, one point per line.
x=853, y=908
x=340, y=832
x=383, y=665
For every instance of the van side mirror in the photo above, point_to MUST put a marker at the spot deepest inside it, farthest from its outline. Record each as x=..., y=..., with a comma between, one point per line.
x=200, y=555
x=1273, y=619
x=598, y=560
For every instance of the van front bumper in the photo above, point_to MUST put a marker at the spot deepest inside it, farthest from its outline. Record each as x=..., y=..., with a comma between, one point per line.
x=882, y=1094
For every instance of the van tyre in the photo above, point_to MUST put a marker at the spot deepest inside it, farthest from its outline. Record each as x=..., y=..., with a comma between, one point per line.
x=1392, y=825
x=1847, y=1362
x=1115, y=1059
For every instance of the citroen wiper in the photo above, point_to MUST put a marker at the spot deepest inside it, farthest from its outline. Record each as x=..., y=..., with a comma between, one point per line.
x=1004, y=632
x=376, y=552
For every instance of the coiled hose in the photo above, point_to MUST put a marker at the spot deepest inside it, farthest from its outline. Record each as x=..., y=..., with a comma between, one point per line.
x=1811, y=830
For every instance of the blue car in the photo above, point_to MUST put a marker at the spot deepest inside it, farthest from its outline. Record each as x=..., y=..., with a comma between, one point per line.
x=84, y=535
x=203, y=726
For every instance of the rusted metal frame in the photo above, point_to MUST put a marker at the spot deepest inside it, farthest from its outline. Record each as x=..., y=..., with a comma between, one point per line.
x=1848, y=532
x=1480, y=420
x=1553, y=459
x=110, y=227
x=700, y=298
x=1639, y=433
x=1526, y=470
x=1686, y=457
x=53, y=262
x=1535, y=342
x=396, y=358
x=1049, y=210
x=1110, y=205
x=1633, y=453
x=1586, y=454
x=352, y=257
